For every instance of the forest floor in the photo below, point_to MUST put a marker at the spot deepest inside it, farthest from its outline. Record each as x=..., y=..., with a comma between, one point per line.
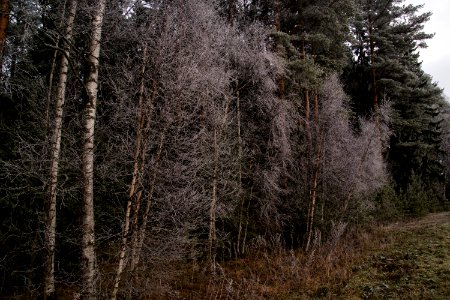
x=403, y=260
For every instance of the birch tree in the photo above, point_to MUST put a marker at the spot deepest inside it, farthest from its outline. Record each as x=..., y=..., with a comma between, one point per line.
x=89, y=268
x=49, y=288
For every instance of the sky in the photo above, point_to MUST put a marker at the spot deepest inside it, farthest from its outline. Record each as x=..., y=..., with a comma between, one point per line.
x=436, y=58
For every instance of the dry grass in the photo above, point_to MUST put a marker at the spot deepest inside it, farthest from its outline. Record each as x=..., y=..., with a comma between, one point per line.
x=414, y=265
x=407, y=260
x=284, y=274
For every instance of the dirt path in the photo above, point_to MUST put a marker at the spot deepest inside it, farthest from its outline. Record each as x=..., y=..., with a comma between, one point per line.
x=412, y=263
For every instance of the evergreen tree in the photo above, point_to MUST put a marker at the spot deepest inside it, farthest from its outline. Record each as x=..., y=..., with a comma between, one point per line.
x=387, y=35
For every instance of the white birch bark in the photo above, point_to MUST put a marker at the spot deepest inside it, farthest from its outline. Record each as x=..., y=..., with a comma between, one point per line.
x=49, y=280
x=52, y=68
x=91, y=85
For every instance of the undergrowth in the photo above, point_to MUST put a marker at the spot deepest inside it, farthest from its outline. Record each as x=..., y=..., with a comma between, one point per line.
x=285, y=274
x=404, y=260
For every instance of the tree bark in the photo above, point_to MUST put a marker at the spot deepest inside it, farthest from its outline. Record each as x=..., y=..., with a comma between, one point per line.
x=49, y=280
x=89, y=268
x=313, y=192
x=316, y=110
x=212, y=211
x=138, y=242
x=52, y=70
x=241, y=196
x=307, y=116
x=138, y=165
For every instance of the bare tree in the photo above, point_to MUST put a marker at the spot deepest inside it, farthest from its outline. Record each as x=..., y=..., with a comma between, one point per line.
x=50, y=234
x=353, y=163
x=208, y=91
x=138, y=165
x=345, y=165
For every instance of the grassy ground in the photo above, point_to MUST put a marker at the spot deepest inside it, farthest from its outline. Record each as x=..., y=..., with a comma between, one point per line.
x=412, y=263
x=405, y=260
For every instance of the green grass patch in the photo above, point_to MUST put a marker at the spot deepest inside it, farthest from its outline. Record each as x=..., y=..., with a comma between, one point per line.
x=413, y=264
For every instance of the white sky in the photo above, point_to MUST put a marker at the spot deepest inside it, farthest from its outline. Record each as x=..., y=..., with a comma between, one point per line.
x=436, y=58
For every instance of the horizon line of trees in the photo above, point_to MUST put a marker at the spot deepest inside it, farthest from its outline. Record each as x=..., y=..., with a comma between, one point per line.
x=140, y=134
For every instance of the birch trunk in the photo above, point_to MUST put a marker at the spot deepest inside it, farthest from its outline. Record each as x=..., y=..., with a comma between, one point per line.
x=52, y=68
x=49, y=280
x=89, y=271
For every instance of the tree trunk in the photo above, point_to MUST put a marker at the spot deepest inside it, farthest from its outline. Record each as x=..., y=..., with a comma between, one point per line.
x=313, y=192
x=316, y=111
x=52, y=70
x=89, y=271
x=140, y=235
x=244, y=240
x=219, y=127
x=212, y=211
x=373, y=76
x=50, y=88
x=138, y=164
x=4, y=20
x=241, y=196
x=49, y=280
x=231, y=11
x=139, y=231
x=307, y=116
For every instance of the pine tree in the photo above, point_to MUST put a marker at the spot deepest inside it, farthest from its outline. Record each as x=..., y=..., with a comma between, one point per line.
x=387, y=36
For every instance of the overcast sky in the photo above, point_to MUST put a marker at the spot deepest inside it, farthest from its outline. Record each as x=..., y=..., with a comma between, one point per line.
x=436, y=58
